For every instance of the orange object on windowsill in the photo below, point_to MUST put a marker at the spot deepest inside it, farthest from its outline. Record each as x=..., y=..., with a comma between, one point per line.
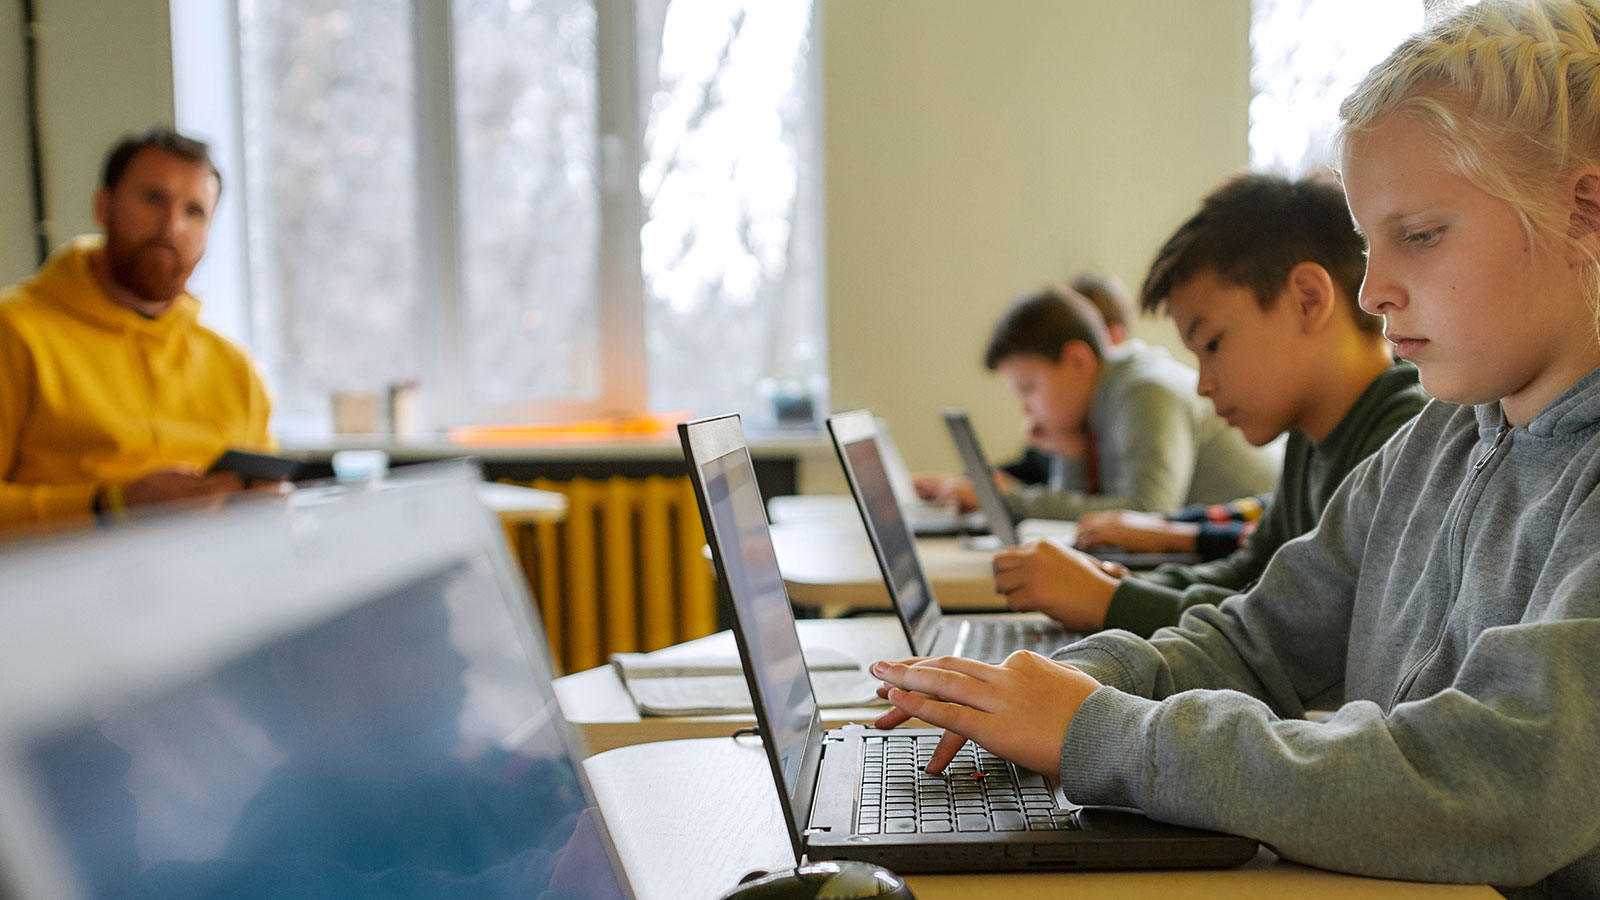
x=645, y=428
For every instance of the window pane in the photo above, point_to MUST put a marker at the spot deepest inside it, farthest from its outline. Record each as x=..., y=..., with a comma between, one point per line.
x=1306, y=56
x=526, y=125
x=330, y=170
x=730, y=252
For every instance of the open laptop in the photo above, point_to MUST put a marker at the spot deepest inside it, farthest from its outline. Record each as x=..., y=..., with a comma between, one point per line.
x=1006, y=529
x=349, y=698
x=926, y=518
x=929, y=632
x=857, y=793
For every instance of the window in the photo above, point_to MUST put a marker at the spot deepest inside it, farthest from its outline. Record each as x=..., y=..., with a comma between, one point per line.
x=536, y=208
x=1306, y=55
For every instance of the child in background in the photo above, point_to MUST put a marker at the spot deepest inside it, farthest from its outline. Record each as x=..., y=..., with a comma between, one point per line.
x=1447, y=606
x=1262, y=284
x=1110, y=298
x=1128, y=416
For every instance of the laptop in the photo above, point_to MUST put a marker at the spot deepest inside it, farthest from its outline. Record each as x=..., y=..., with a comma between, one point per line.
x=927, y=519
x=348, y=698
x=859, y=793
x=859, y=443
x=1008, y=531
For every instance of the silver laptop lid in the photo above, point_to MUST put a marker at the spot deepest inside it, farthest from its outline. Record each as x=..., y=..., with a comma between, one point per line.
x=858, y=443
x=982, y=477
x=347, y=699
x=769, y=646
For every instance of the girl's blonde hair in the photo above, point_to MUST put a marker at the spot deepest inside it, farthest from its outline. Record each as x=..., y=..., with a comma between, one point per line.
x=1511, y=88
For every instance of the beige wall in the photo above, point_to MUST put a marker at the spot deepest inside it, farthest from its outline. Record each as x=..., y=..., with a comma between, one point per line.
x=973, y=151
x=976, y=151
x=16, y=217
x=104, y=69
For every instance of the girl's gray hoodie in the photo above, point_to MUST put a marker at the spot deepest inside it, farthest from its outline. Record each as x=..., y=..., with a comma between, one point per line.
x=1448, y=608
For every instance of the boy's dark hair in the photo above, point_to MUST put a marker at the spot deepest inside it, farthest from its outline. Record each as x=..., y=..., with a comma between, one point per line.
x=1252, y=231
x=1041, y=323
x=1108, y=295
x=160, y=138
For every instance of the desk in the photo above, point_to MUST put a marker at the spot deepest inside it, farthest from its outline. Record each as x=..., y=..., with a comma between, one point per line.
x=690, y=817
x=830, y=565
x=596, y=704
x=516, y=505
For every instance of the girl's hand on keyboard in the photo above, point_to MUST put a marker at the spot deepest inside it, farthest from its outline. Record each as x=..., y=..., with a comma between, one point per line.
x=1018, y=710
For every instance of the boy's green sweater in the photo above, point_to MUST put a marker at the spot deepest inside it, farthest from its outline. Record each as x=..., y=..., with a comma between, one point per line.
x=1311, y=471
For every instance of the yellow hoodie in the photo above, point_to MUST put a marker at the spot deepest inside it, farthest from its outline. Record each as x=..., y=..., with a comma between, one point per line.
x=92, y=393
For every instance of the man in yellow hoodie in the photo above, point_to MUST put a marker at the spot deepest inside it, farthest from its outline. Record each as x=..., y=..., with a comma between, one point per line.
x=112, y=394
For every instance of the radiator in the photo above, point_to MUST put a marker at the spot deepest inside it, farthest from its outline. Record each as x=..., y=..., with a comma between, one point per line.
x=622, y=572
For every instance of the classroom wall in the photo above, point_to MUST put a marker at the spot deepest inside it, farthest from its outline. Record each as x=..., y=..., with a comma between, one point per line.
x=104, y=69
x=976, y=151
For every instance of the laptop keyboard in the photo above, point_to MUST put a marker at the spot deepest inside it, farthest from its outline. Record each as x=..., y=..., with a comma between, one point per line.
x=978, y=791
x=994, y=640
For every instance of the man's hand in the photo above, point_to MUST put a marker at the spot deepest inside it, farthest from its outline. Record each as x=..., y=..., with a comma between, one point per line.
x=168, y=485
x=1018, y=710
x=1140, y=532
x=1065, y=584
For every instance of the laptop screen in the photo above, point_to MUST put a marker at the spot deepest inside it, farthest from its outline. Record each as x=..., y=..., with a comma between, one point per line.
x=762, y=607
x=982, y=477
x=890, y=534
x=769, y=645
x=406, y=744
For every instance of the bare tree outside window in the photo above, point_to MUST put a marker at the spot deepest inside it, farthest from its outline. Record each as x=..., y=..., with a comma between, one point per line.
x=1306, y=56
x=526, y=121
x=729, y=242
x=330, y=174
x=536, y=207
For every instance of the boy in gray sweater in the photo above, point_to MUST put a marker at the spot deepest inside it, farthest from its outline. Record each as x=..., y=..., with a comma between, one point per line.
x=1447, y=606
x=1123, y=421
x=1262, y=283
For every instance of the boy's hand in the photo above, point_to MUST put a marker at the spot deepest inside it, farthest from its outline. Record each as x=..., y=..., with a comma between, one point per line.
x=1067, y=585
x=1018, y=710
x=1140, y=532
x=947, y=490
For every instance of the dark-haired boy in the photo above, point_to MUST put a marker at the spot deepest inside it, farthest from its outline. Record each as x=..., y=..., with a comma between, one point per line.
x=112, y=393
x=1262, y=283
x=1124, y=421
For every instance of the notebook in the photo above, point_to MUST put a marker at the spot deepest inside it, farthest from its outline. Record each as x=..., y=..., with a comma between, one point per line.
x=349, y=698
x=855, y=793
x=859, y=443
x=1006, y=529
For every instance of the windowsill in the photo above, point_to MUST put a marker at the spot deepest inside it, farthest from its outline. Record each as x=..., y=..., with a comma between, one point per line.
x=786, y=442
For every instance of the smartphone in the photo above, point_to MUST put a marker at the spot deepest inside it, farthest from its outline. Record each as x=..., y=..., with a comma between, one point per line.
x=257, y=466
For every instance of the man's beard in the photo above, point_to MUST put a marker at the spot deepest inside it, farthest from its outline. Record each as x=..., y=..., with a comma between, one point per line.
x=153, y=270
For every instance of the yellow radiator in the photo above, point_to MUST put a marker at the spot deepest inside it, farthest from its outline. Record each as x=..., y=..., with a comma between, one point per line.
x=622, y=572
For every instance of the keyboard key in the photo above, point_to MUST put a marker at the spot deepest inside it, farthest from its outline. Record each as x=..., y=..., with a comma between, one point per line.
x=937, y=827
x=867, y=828
x=1009, y=821
x=972, y=823
x=1041, y=823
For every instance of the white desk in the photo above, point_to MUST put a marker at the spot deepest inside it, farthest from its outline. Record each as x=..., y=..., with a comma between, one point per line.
x=830, y=565
x=597, y=704
x=516, y=504
x=690, y=817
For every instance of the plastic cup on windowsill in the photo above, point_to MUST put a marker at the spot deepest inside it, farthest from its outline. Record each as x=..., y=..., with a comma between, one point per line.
x=360, y=467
